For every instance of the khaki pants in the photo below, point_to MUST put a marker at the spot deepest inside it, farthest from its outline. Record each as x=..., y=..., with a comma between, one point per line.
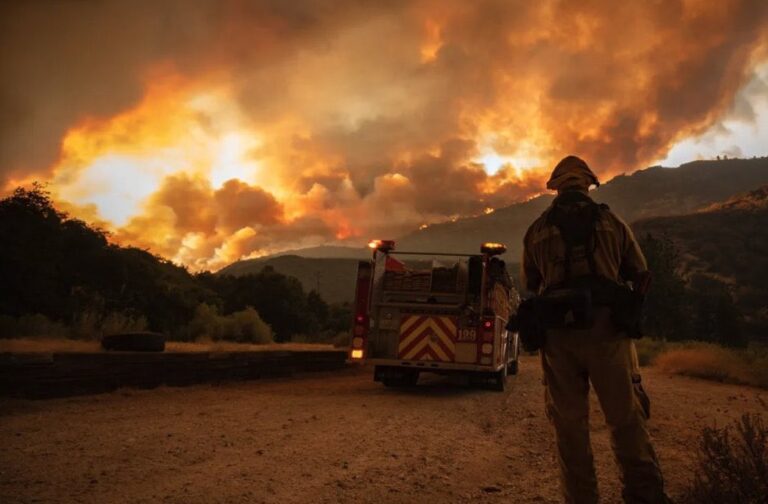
x=571, y=359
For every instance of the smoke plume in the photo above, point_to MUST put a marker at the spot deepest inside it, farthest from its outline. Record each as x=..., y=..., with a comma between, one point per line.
x=208, y=131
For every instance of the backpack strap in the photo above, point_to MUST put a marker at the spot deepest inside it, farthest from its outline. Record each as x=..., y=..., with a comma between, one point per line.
x=577, y=227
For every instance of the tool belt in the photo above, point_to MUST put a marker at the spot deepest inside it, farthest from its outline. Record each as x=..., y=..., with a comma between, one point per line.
x=574, y=308
x=527, y=322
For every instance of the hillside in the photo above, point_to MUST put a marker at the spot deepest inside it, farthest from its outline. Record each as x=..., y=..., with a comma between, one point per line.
x=332, y=277
x=327, y=252
x=646, y=193
x=651, y=192
x=62, y=278
x=727, y=241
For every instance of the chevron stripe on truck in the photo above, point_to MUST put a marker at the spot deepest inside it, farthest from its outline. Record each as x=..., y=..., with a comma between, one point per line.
x=427, y=337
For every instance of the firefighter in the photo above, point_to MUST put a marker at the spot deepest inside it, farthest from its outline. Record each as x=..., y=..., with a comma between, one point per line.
x=578, y=243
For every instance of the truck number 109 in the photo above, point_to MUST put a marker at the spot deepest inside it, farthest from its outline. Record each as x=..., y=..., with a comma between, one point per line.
x=467, y=334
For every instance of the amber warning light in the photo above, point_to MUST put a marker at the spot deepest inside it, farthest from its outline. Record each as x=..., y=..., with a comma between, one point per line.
x=382, y=245
x=492, y=248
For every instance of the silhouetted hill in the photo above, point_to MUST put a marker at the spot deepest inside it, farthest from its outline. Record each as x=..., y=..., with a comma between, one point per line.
x=326, y=251
x=726, y=241
x=646, y=193
x=61, y=277
x=333, y=277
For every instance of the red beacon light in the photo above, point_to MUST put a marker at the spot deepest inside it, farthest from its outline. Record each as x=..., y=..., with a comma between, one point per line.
x=382, y=245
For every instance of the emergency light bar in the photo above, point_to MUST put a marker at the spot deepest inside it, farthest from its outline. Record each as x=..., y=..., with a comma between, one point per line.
x=382, y=245
x=492, y=248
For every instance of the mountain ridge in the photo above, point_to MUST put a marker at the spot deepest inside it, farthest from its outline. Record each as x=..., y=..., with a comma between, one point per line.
x=646, y=193
x=636, y=197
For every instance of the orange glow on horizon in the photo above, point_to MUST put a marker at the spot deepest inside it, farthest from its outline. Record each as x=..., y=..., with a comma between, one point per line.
x=261, y=131
x=193, y=137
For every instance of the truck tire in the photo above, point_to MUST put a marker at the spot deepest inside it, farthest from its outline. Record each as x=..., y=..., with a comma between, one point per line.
x=134, y=342
x=499, y=382
x=514, y=365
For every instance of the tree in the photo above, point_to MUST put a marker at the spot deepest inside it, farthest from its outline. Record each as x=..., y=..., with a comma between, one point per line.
x=317, y=310
x=666, y=307
x=715, y=317
x=279, y=299
x=66, y=270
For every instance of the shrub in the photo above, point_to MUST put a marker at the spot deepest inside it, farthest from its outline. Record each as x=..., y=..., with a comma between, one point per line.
x=341, y=339
x=710, y=361
x=117, y=322
x=244, y=326
x=92, y=325
x=205, y=323
x=732, y=464
x=31, y=326
x=648, y=349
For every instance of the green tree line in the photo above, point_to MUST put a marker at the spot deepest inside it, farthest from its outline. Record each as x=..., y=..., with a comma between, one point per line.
x=700, y=307
x=63, y=277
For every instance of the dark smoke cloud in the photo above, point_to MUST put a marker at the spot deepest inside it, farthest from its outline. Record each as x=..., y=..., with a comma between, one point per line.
x=376, y=114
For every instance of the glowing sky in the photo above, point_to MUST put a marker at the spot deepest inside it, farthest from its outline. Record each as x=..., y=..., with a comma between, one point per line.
x=209, y=131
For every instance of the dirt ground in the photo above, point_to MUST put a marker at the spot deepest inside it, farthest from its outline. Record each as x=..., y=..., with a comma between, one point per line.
x=60, y=345
x=332, y=437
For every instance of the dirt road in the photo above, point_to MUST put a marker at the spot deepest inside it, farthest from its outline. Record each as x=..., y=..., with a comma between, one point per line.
x=328, y=438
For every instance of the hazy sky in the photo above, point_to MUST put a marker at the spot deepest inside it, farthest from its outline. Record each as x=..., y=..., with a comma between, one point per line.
x=209, y=130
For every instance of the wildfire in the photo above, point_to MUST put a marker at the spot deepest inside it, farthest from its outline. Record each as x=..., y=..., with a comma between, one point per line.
x=166, y=174
x=119, y=162
x=432, y=41
x=259, y=130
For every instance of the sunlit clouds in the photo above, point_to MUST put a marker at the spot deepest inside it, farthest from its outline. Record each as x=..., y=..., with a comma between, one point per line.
x=211, y=131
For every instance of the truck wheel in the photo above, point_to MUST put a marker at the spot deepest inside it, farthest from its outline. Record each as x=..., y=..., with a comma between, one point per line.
x=500, y=379
x=514, y=365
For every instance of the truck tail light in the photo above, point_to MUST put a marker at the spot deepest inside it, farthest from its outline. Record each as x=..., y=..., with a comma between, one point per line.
x=360, y=321
x=488, y=329
x=361, y=326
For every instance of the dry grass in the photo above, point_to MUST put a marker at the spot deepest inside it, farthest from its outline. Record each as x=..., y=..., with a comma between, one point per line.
x=56, y=345
x=712, y=362
x=224, y=346
x=52, y=345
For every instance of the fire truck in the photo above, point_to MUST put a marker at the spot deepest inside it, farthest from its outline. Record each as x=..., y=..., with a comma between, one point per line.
x=443, y=313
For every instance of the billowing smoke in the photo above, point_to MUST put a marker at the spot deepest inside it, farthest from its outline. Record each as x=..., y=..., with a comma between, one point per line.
x=209, y=130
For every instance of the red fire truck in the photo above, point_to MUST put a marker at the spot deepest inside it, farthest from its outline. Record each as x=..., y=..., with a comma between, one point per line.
x=438, y=312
